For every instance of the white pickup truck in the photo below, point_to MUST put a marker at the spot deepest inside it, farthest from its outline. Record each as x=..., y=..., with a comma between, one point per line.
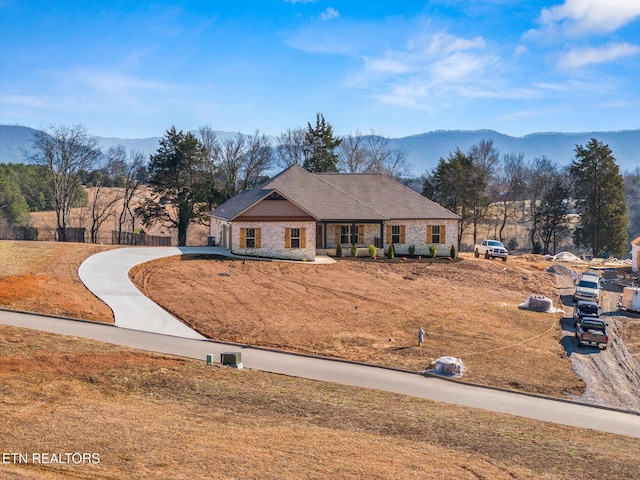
x=491, y=249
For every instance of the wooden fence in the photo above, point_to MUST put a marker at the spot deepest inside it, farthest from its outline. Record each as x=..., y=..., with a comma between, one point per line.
x=128, y=238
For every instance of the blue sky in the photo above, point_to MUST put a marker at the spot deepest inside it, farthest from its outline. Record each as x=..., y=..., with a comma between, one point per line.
x=133, y=69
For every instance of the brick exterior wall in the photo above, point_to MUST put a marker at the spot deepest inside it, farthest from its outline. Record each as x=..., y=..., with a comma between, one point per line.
x=273, y=240
x=415, y=234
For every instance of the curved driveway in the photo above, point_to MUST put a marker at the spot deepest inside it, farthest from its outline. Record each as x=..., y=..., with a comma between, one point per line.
x=187, y=343
x=106, y=274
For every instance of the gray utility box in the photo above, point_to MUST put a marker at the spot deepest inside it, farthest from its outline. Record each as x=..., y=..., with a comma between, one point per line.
x=231, y=359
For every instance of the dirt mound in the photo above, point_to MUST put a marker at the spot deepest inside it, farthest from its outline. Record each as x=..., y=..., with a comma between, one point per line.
x=559, y=270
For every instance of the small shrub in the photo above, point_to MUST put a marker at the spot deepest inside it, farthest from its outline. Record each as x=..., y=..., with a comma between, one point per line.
x=392, y=252
x=412, y=250
x=339, y=250
x=513, y=244
x=537, y=247
x=373, y=251
x=354, y=250
x=452, y=252
x=433, y=250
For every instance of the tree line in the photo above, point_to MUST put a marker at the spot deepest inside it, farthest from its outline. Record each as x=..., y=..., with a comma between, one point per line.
x=191, y=173
x=479, y=185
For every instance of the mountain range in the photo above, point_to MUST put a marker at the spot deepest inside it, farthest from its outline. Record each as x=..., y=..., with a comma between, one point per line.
x=423, y=150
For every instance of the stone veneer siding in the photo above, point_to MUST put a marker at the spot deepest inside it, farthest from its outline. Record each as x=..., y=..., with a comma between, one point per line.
x=371, y=230
x=272, y=240
x=415, y=234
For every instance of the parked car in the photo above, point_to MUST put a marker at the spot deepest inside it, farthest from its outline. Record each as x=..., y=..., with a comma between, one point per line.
x=491, y=249
x=585, y=308
x=592, y=331
x=588, y=288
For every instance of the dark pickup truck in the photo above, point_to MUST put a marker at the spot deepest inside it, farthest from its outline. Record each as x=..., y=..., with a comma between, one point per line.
x=585, y=308
x=592, y=331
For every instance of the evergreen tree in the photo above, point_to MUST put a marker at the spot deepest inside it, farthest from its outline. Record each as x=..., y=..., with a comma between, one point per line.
x=13, y=206
x=552, y=210
x=599, y=196
x=450, y=185
x=320, y=147
x=180, y=180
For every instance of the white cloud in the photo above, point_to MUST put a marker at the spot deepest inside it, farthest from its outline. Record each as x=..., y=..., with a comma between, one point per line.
x=112, y=82
x=428, y=69
x=458, y=67
x=578, y=17
x=27, y=101
x=443, y=43
x=579, y=57
x=329, y=14
x=386, y=66
x=520, y=50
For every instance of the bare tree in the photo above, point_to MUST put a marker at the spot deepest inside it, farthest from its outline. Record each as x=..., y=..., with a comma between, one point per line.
x=210, y=142
x=290, y=147
x=258, y=159
x=65, y=152
x=130, y=173
x=104, y=200
x=397, y=164
x=352, y=157
x=232, y=152
x=372, y=153
x=484, y=157
x=511, y=182
x=537, y=175
x=378, y=152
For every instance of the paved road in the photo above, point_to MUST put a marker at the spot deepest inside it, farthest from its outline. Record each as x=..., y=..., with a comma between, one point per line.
x=346, y=373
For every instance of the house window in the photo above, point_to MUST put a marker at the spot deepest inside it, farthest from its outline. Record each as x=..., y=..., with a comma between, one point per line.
x=344, y=233
x=348, y=234
x=295, y=238
x=250, y=238
x=436, y=234
x=395, y=234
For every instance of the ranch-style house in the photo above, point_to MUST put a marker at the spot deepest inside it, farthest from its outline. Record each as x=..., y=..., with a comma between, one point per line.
x=298, y=214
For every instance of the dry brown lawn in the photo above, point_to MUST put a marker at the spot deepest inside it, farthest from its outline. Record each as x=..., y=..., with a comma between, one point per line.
x=42, y=277
x=152, y=416
x=371, y=312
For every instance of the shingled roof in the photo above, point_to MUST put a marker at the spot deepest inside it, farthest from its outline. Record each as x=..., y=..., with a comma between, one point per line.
x=335, y=197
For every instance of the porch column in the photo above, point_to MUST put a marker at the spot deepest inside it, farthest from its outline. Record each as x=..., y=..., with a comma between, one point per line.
x=324, y=234
x=382, y=234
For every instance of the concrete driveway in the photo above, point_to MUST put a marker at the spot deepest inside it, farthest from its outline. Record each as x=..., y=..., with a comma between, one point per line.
x=106, y=274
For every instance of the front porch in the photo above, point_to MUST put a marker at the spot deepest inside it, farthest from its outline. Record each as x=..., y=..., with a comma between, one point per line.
x=347, y=233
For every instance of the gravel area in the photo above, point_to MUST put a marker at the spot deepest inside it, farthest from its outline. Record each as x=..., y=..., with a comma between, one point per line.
x=612, y=376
